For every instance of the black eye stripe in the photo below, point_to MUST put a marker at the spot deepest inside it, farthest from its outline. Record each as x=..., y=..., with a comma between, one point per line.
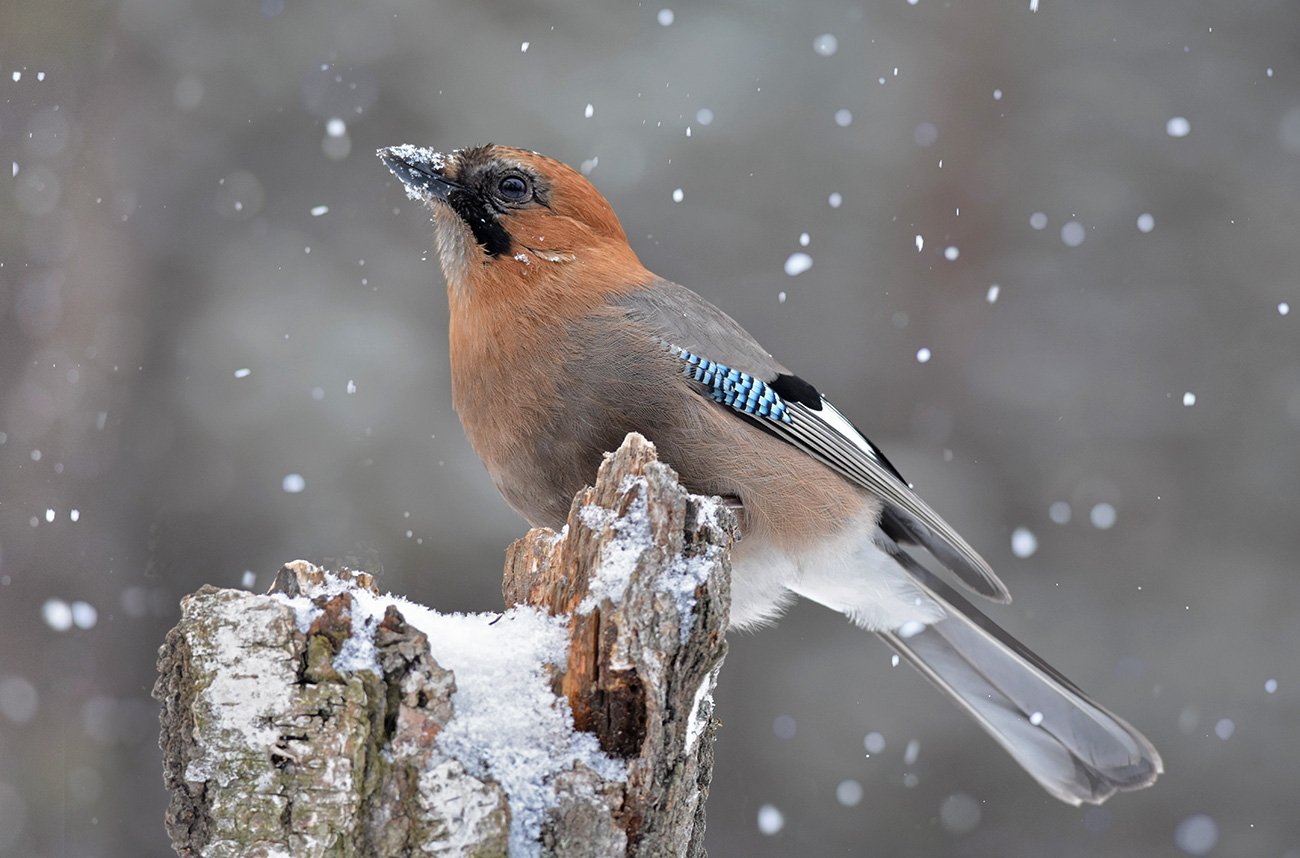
x=482, y=221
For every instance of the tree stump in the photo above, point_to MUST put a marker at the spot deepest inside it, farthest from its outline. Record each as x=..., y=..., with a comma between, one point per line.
x=323, y=719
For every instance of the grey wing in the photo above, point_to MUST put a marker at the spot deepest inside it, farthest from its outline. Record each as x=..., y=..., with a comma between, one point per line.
x=677, y=315
x=728, y=366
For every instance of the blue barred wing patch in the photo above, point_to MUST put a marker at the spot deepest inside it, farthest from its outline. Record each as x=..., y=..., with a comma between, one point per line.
x=733, y=388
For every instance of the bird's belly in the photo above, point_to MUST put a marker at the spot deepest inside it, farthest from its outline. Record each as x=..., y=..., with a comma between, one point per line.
x=539, y=480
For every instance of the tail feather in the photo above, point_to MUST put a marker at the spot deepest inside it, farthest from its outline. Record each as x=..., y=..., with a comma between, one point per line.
x=1074, y=748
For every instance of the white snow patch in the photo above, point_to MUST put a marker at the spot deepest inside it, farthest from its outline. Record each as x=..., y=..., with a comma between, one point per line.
x=797, y=263
x=84, y=615
x=770, y=819
x=589, y=111
x=509, y=726
x=678, y=195
x=596, y=517
x=1023, y=542
x=1283, y=308
x=701, y=705
x=1073, y=233
x=405, y=151
x=1102, y=516
x=923, y=355
x=912, y=628
x=1197, y=834
x=423, y=156
x=57, y=614
x=621, y=554
x=1189, y=399
x=618, y=556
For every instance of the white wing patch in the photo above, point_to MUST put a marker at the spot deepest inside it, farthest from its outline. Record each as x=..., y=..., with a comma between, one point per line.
x=831, y=415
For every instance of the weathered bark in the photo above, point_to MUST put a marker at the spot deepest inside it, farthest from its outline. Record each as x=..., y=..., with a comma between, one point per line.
x=276, y=744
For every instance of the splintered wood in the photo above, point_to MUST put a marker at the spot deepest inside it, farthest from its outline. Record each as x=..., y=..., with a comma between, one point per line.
x=645, y=647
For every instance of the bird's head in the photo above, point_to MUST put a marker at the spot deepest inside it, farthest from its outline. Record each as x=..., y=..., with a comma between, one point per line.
x=506, y=215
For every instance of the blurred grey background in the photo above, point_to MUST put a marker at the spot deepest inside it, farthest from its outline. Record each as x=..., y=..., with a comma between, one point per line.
x=222, y=347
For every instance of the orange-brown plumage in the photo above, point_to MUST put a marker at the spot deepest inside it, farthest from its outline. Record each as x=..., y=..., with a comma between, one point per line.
x=568, y=258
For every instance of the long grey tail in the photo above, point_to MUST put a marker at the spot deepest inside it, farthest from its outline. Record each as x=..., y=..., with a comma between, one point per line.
x=1074, y=748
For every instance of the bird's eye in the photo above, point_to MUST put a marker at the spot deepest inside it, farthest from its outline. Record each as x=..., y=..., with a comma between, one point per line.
x=512, y=188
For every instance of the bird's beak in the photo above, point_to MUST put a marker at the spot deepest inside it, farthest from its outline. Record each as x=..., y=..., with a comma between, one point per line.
x=421, y=171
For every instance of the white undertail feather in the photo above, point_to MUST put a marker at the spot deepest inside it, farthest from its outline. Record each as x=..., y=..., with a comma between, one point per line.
x=849, y=573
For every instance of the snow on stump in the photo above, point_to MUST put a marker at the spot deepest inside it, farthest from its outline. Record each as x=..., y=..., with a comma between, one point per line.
x=324, y=719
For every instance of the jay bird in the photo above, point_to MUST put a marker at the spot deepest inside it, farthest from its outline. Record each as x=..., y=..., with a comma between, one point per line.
x=562, y=343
